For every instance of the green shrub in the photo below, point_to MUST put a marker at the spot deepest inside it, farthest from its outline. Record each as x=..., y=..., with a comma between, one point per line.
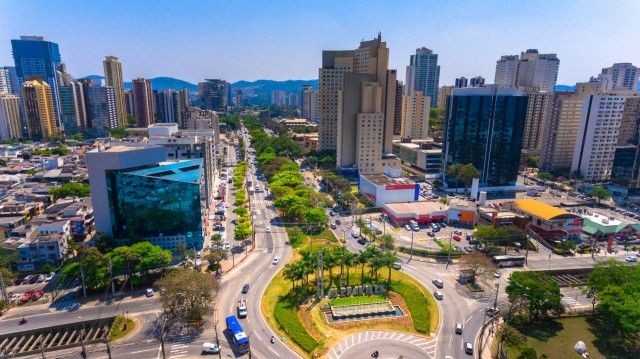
x=417, y=304
x=289, y=321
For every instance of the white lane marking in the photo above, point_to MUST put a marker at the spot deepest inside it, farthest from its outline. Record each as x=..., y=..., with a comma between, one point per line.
x=257, y=335
x=468, y=319
x=274, y=352
x=260, y=276
x=450, y=339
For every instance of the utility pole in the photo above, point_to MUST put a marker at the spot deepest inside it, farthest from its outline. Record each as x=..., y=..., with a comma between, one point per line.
x=449, y=256
x=113, y=289
x=162, y=337
x=84, y=287
x=3, y=289
x=83, y=353
x=108, y=349
x=42, y=348
x=411, y=250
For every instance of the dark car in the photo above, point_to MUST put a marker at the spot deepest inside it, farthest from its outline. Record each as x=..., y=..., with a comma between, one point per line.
x=338, y=222
x=245, y=288
x=362, y=241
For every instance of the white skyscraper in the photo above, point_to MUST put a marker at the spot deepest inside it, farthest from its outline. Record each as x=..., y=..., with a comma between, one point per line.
x=10, y=126
x=531, y=69
x=623, y=76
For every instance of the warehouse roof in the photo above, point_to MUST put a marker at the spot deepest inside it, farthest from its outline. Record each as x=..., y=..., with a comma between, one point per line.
x=541, y=210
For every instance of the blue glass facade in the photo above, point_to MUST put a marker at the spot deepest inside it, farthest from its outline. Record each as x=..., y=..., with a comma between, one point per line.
x=485, y=128
x=157, y=201
x=35, y=57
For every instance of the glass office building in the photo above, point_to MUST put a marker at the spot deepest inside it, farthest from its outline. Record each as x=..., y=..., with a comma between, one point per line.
x=485, y=127
x=162, y=202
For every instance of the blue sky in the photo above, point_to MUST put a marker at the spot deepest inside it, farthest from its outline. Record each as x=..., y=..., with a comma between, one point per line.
x=284, y=39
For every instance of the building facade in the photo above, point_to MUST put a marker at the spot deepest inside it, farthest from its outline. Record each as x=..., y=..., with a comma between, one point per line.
x=103, y=113
x=9, y=81
x=628, y=133
x=214, y=94
x=461, y=82
x=39, y=108
x=598, y=130
x=143, y=108
x=10, y=127
x=309, y=103
x=531, y=69
x=113, y=78
x=537, y=104
x=484, y=128
x=623, y=76
x=415, y=116
x=423, y=74
x=477, y=81
x=443, y=94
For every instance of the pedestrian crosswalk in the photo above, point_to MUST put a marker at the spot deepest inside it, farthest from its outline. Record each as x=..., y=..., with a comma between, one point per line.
x=180, y=347
x=68, y=301
x=427, y=345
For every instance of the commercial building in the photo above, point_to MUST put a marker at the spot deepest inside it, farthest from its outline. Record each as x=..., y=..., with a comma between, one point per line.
x=309, y=103
x=561, y=127
x=623, y=76
x=537, y=104
x=421, y=212
x=143, y=108
x=39, y=109
x=383, y=189
x=415, y=116
x=102, y=111
x=597, y=138
x=424, y=155
x=628, y=133
x=484, y=128
x=462, y=212
x=461, y=82
x=423, y=74
x=136, y=194
x=113, y=78
x=548, y=222
x=397, y=116
x=214, y=94
x=35, y=57
x=10, y=127
x=531, y=69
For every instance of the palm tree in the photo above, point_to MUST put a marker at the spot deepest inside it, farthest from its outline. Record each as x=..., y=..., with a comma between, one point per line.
x=348, y=261
x=310, y=261
x=388, y=260
x=328, y=261
x=339, y=254
x=299, y=269
x=387, y=241
x=373, y=259
x=362, y=259
x=289, y=272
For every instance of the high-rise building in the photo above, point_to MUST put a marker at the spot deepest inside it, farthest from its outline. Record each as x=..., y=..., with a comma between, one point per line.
x=484, y=128
x=534, y=123
x=365, y=107
x=443, y=93
x=169, y=107
x=415, y=116
x=293, y=99
x=103, y=114
x=561, y=127
x=113, y=78
x=624, y=76
x=10, y=127
x=277, y=97
x=9, y=80
x=36, y=57
x=309, y=103
x=628, y=133
x=238, y=99
x=69, y=121
x=597, y=138
x=38, y=104
x=423, y=74
x=214, y=94
x=80, y=105
x=128, y=100
x=477, y=81
x=143, y=109
x=461, y=82
x=397, y=116
x=531, y=70
x=334, y=65
x=64, y=78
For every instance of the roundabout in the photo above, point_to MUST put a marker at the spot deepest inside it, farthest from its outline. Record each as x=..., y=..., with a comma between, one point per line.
x=389, y=344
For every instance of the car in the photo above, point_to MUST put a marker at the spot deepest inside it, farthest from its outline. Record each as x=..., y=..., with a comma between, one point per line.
x=468, y=348
x=149, y=292
x=333, y=226
x=438, y=283
x=275, y=260
x=469, y=248
x=338, y=222
x=210, y=348
x=27, y=279
x=443, y=225
x=396, y=266
x=49, y=276
x=362, y=241
x=459, y=328
x=268, y=229
x=226, y=245
x=458, y=232
x=631, y=259
x=492, y=311
x=435, y=229
x=332, y=213
x=431, y=234
x=407, y=227
x=355, y=235
x=638, y=254
x=41, y=277
x=496, y=274
x=245, y=288
x=438, y=295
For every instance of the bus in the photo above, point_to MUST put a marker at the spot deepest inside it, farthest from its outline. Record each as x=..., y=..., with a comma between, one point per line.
x=240, y=339
x=508, y=261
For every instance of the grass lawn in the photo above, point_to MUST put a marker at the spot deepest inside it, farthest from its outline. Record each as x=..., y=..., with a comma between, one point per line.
x=364, y=299
x=556, y=338
x=418, y=305
x=315, y=241
x=120, y=328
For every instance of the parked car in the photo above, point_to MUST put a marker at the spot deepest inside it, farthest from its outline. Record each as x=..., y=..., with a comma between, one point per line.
x=338, y=222
x=458, y=232
x=27, y=279
x=333, y=226
x=431, y=234
x=438, y=283
x=149, y=292
x=492, y=311
x=355, y=235
x=407, y=227
x=362, y=241
x=631, y=259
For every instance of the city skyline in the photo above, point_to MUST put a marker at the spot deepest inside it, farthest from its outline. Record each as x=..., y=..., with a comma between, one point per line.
x=259, y=46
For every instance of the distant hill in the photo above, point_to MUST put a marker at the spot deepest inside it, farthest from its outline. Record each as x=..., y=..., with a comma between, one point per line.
x=270, y=85
x=157, y=83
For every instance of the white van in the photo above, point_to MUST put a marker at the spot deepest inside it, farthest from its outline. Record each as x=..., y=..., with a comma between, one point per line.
x=212, y=348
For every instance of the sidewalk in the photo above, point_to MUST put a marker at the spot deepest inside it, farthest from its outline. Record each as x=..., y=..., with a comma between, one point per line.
x=487, y=340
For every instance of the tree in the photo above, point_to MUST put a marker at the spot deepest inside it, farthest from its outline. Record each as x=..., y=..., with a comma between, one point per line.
x=93, y=264
x=315, y=218
x=506, y=235
x=214, y=257
x=534, y=294
x=386, y=241
x=388, y=259
x=131, y=120
x=242, y=232
x=8, y=276
x=118, y=132
x=545, y=176
x=528, y=353
x=600, y=193
x=453, y=171
x=105, y=243
x=186, y=294
x=479, y=264
x=70, y=190
x=509, y=335
x=466, y=174
x=566, y=246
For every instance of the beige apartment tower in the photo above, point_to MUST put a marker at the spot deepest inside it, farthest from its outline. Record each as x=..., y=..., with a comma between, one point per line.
x=113, y=78
x=38, y=103
x=534, y=122
x=10, y=117
x=143, y=108
x=415, y=116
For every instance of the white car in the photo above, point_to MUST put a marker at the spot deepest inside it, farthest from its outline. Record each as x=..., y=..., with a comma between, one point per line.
x=268, y=229
x=631, y=259
x=275, y=260
x=458, y=232
x=149, y=292
x=212, y=348
x=438, y=295
x=49, y=276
